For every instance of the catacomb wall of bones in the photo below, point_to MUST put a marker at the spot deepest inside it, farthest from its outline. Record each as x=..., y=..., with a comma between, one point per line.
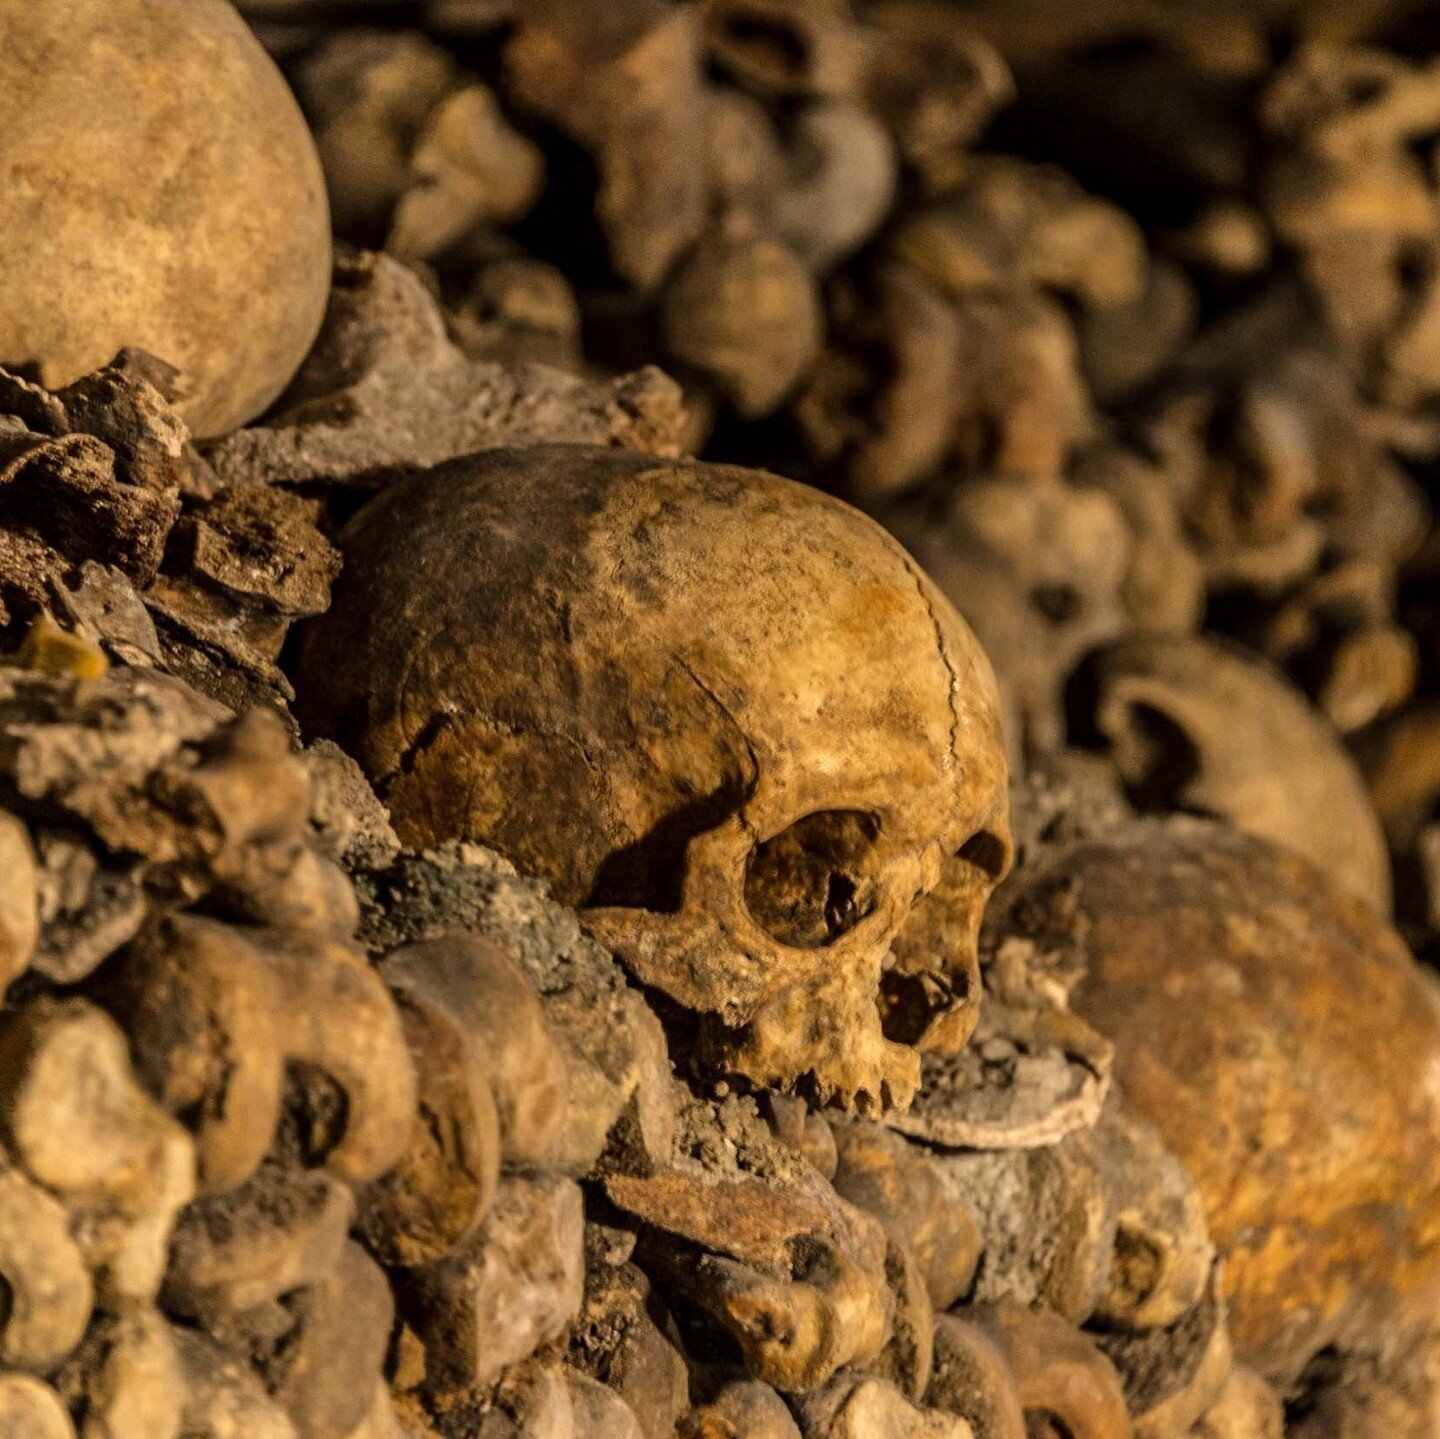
x=719, y=719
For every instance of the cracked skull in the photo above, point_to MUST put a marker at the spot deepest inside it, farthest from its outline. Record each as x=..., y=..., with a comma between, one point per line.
x=723, y=715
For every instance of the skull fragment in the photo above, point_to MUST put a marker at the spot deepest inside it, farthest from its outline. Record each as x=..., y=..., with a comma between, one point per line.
x=722, y=714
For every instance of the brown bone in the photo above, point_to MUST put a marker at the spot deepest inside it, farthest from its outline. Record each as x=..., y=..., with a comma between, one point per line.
x=1193, y=934
x=1061, y=1378
x=768, y=907
x=214, y=1014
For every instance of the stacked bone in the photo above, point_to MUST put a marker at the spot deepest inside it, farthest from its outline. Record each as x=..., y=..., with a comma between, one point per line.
x=259, y=1180
x=805, y=927
x=282, y=1187
x=208, y=1089
x=176, y=946
x=1195, y=395
x=1226, y=970
x=307, y=1134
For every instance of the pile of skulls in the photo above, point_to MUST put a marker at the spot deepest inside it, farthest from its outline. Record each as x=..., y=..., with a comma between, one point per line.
x=321, y=1136
x=507, y=932
x=1124, y=321
x=309, y=1135
x=680, y=181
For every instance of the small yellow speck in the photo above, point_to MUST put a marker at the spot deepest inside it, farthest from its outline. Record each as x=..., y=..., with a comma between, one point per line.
x=51, y=651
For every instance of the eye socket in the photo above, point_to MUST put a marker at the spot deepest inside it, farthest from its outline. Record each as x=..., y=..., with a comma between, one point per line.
x=1058, y=603
x=1046, y=1424
x=988, y=853
x=765, y=43
x=813, y=882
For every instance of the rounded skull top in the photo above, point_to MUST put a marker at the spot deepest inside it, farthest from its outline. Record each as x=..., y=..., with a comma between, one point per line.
x=721, y=713
x=158, y=189
x=1286, y=1045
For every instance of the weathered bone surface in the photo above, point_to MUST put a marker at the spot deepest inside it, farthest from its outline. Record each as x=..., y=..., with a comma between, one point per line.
x=1046, y=1224
x=321, y=1368
x=805, y=1130
x=1193, y=937
x=795, y=1274
x=282, y=1230
x=19, y=899
x=51, y=1292
x=220, y=1391
x=132, y=1371
x=1196, y=727
x=30, y=1409
x=627, y=1338
x=1248, y=1408
x=908, y=1357
x=199, y=231
x=627, y=86
x=722, y=1233
x=1178, y=394
x=1011, y=220
x=741, y=1407
x=79, y=1124
x=1040, y=567
x=493, y=1086
x=747, y=832
x=1175, y=1374
x=1062, y=1379
x=1163, y=1259
x=744, y=311
x=414, y=155
x=857, y=1406
x=195, y=992
x=972, y=1378
x=1030, y=1076
x=882, y=1174
x=616, y=1068
x=723, y=1208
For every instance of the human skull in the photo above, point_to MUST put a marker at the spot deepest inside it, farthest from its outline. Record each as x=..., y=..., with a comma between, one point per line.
x=158, y=189
x=722, y=714
x=1286, y=1047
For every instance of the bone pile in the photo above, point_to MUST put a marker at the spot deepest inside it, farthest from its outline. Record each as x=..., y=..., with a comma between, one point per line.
x=517, y=922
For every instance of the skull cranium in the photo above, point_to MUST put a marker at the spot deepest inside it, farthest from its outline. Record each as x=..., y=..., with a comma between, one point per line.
x=722, y=714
